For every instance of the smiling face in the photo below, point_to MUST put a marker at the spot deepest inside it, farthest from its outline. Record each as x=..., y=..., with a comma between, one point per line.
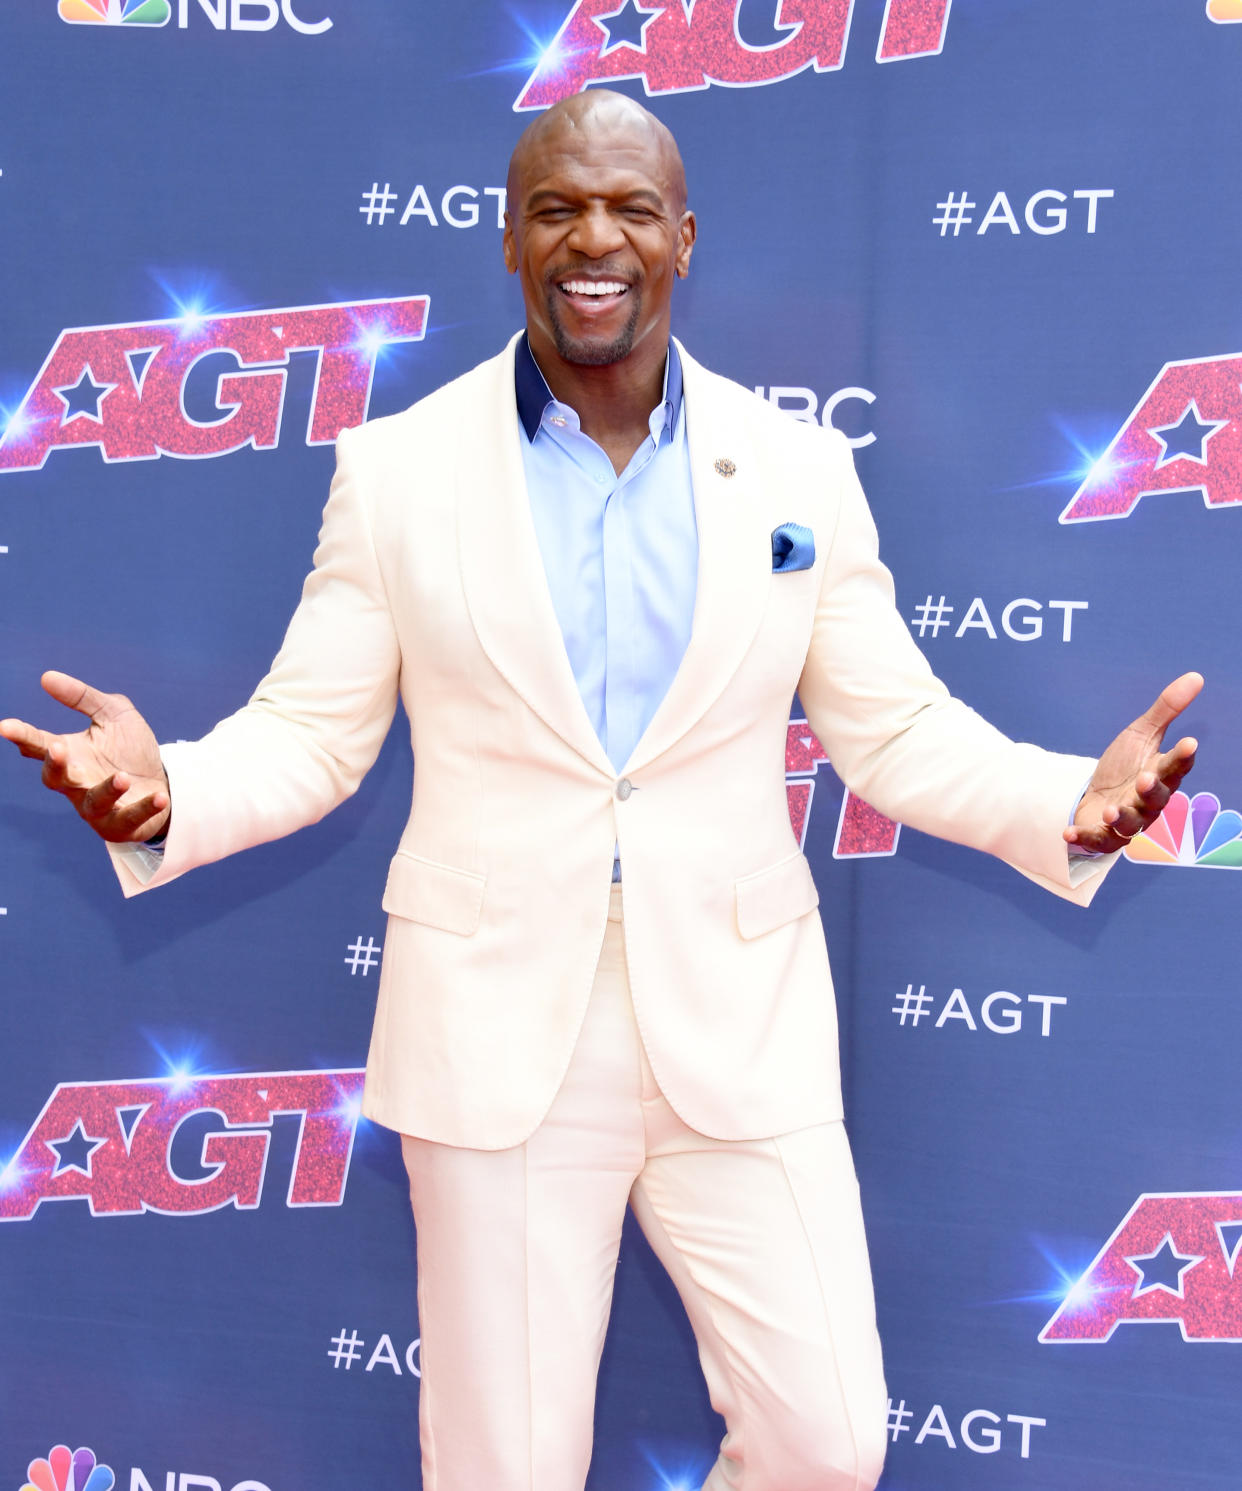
x=597, y=230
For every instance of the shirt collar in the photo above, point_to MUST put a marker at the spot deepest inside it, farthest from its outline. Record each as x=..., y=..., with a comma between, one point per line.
x=534, y=395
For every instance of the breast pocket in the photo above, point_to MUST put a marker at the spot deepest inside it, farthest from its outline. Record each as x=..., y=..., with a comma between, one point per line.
x=420, y=890
x=770, y=898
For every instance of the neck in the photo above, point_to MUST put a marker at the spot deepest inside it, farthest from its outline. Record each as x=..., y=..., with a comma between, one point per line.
x=613, y=402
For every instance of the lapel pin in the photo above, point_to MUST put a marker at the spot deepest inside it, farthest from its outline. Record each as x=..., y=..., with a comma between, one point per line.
x=725, y=466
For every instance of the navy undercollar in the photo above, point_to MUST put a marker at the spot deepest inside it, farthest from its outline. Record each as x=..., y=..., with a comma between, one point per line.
x=534, y=395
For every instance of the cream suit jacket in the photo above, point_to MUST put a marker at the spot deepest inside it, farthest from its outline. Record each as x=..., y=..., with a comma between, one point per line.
x=428, y=582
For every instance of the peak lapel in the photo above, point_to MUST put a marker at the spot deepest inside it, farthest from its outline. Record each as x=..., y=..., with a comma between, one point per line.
x=502, y=568
x=735, y=564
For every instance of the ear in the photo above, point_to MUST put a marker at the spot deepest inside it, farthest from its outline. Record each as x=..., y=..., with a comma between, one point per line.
x=509, y=246
x=687, y=230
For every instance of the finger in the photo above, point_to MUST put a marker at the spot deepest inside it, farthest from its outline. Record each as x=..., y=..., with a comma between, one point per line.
x=1152, y=792
x=98, y=801
x=1116, y=827
x=1174, y=764
x=1127, y=825
x=1173, y=698
x=58, y=771
x=70, y=691
x=28, y=739
x=138, y=820
x=1102, y=839
x=1154, y=786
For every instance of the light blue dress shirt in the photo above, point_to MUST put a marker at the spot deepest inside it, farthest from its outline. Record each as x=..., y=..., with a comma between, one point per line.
x=620, y=552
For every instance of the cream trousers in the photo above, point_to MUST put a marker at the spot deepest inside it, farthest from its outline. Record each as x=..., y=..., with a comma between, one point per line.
x=763, y=1240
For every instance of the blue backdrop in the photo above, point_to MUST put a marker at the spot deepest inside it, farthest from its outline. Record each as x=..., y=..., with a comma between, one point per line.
x=995, y=241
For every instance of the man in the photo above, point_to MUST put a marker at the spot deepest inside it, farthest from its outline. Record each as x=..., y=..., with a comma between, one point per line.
x=597, y=573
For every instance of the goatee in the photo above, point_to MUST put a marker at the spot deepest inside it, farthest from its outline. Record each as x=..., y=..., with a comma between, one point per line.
x=591, y=353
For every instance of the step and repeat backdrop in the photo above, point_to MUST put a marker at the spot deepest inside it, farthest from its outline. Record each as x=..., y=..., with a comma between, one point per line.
x=995, y=242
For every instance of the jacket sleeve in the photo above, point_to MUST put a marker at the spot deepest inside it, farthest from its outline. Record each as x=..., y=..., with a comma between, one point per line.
x=902, y=742
x=315, y=724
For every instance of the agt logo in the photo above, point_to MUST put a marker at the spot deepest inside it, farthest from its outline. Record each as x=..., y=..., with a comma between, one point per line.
x=1184, y=436
x=224, y=15
x=1193, y=832
x=1172, y=1258
x=125, y=388
x=680, y=47
x=183, y=1145
x=862, y=832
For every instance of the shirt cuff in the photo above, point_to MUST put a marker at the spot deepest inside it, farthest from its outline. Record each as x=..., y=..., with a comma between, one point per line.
x=1076, y=851
x=144, y=861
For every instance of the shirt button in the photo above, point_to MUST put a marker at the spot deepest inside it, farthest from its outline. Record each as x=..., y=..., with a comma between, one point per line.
x=624, y=788
x=556, y=419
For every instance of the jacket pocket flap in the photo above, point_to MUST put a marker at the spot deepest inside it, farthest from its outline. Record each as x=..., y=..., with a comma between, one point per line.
x=770, y=898
x=435, y=895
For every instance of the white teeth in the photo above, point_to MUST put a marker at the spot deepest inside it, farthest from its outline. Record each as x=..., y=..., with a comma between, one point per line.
x=593, y=287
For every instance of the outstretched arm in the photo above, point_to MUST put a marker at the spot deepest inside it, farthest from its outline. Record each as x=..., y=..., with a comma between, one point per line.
x=1135, y=778
x=110, y=771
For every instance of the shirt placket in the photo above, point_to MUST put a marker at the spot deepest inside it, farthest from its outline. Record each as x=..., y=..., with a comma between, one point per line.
x=622, y=683
x=620, y=699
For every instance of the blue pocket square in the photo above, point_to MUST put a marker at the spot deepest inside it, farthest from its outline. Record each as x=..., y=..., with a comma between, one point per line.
x=793, y=547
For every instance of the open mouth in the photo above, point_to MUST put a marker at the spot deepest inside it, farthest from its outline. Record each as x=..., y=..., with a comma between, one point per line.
x=593, y=295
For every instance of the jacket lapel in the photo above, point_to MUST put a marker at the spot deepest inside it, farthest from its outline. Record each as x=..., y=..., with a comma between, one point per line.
x=502, y=569
x=735, y=564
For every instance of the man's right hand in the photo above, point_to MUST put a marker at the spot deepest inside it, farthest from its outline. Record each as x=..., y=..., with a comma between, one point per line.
x=111, y=771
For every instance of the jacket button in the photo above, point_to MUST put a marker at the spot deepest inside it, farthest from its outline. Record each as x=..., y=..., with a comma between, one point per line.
x=624, y=788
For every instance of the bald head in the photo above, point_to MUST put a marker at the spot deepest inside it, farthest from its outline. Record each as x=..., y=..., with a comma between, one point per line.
x=599, y=112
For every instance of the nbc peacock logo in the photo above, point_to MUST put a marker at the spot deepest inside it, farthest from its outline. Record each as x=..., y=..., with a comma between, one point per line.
x=1193, y=832
x=115, y=13
x=69, y=1470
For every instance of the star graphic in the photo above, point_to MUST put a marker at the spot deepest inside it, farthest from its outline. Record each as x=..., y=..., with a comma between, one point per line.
x=74, y=1151
x=626, y=26
x=1162, y=1269
x=81, y=399
x=1186, y=439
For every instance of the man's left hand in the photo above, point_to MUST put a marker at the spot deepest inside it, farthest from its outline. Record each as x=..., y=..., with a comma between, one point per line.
x=1135, y=777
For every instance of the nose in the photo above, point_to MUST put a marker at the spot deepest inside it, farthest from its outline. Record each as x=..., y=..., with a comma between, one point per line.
x=596, y=233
